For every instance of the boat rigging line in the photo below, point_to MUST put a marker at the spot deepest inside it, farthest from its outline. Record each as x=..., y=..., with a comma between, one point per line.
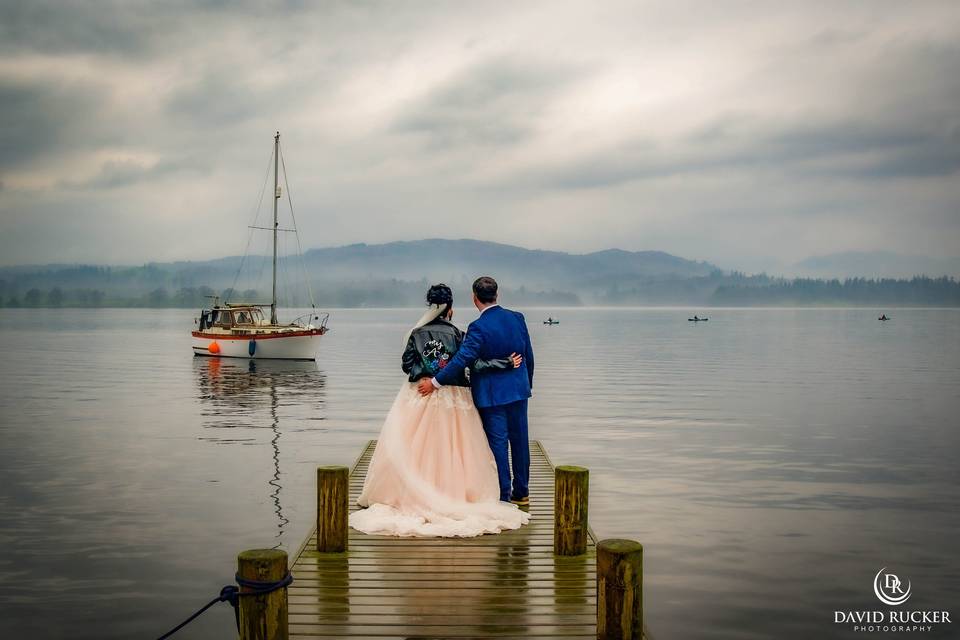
x=256, y=214
x=303, y=263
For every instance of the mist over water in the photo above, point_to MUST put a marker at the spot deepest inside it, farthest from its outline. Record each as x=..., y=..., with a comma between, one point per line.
x=770, y=460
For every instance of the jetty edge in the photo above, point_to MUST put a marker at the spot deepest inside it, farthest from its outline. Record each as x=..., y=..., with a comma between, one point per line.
x=549, y=579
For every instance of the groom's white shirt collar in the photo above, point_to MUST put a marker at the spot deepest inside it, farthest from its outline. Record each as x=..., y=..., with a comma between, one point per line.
x=434, y=380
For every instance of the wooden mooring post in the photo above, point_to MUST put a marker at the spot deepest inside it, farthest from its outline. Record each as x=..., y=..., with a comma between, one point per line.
x=263, y=617
x=333, y=508
x=619, y=590
x=570, y=525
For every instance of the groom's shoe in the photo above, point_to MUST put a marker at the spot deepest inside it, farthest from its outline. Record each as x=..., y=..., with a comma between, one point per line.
x=521, y=502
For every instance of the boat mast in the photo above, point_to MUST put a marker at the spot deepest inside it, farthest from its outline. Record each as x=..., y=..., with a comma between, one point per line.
x=276, y=199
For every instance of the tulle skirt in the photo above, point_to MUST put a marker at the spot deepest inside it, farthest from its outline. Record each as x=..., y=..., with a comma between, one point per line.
x=432, y=473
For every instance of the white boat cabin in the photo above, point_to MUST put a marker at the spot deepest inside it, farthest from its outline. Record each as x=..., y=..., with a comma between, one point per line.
x=233, y=319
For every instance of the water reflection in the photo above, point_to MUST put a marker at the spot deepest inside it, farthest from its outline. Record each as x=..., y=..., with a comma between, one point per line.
x=275, y=480
x=234, y=395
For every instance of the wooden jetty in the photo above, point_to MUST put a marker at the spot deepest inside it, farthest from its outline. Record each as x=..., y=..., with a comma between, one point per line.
x=548, y=579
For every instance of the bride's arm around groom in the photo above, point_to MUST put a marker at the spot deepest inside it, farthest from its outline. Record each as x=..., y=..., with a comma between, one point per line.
x=496, y=334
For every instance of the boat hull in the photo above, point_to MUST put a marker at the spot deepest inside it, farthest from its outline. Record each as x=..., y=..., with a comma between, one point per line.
x=301, y=345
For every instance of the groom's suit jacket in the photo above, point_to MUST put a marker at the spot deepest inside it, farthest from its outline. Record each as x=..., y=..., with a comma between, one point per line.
x=497, y=333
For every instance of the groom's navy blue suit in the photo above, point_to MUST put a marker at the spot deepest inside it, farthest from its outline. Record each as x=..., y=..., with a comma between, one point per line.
x=500, y=395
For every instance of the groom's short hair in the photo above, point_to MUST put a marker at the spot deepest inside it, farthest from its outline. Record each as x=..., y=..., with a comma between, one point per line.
x=485, y=288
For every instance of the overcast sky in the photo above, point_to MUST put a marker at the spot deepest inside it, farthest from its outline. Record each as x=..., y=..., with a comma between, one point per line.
x=750, y=134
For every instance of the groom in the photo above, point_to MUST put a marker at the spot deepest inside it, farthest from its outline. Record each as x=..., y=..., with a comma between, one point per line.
x=500, y=395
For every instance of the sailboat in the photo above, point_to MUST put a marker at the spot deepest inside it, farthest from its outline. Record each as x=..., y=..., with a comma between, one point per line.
x=240, y=330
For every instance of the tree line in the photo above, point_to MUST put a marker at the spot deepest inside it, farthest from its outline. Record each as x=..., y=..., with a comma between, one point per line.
x=160, y=297
x=717, y=288
x=917, y=291
x=375, y=293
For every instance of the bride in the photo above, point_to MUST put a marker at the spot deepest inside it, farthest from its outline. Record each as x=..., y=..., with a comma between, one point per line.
x=432, y=473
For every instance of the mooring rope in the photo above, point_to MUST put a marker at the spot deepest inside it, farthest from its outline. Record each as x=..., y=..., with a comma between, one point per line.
x=232, y=594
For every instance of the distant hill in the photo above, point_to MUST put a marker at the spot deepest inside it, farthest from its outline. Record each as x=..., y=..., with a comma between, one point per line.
x=397, y=274
x=458, y=260
x=390, y=274
x=875, y=264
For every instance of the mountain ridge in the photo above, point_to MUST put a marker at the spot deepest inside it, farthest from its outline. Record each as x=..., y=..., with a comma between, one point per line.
x=354, y=275
x=396, y=274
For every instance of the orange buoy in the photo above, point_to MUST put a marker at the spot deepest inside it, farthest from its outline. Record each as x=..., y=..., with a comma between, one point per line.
x=214, y=348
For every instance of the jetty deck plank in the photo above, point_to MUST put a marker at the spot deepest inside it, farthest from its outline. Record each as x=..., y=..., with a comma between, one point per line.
x=494, y=586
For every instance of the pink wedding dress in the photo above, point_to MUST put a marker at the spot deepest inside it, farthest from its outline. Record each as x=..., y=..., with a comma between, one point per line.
x=432, y=473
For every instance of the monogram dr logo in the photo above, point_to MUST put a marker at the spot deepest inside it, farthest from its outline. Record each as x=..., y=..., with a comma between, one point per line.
x=892, y=590
x=889, y=588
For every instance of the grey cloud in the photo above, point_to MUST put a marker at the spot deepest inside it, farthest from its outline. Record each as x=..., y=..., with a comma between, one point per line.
x=38, y=119
x=902, y=122
x=493, y=103
x=116, y=174
x=825, y=149
x=116, y=27
x=113, y=28
x=926, y=156
x=219, y=98
x=222, y=98
x=887, y=151
x=831, y=37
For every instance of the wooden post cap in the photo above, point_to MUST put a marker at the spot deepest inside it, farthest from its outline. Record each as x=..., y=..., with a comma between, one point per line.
x=270, y=556
x=620, y=546
x=619, y=589
x=263, y=617
x=570, y=503
x=333, y=506
x=572, y=468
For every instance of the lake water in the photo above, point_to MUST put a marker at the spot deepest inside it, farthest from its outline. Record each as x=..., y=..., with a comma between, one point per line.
x=771, y=461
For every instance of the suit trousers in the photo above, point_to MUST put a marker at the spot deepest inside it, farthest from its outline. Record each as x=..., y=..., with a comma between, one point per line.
x=506, y=426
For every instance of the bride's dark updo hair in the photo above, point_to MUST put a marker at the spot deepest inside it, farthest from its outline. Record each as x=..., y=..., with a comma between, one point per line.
x=440, y=294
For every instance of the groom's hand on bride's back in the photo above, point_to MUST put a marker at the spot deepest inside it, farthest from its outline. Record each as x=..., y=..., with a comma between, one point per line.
x=425, y=386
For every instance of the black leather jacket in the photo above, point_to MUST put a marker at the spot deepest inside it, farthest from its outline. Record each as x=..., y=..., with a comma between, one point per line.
x=431, y=346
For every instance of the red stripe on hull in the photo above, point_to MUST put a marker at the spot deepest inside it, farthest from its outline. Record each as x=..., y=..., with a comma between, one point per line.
x=258, y=336
x=197, y=354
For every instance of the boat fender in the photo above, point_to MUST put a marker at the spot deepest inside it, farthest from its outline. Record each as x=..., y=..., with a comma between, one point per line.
x=252, y=347
x=214, y=348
